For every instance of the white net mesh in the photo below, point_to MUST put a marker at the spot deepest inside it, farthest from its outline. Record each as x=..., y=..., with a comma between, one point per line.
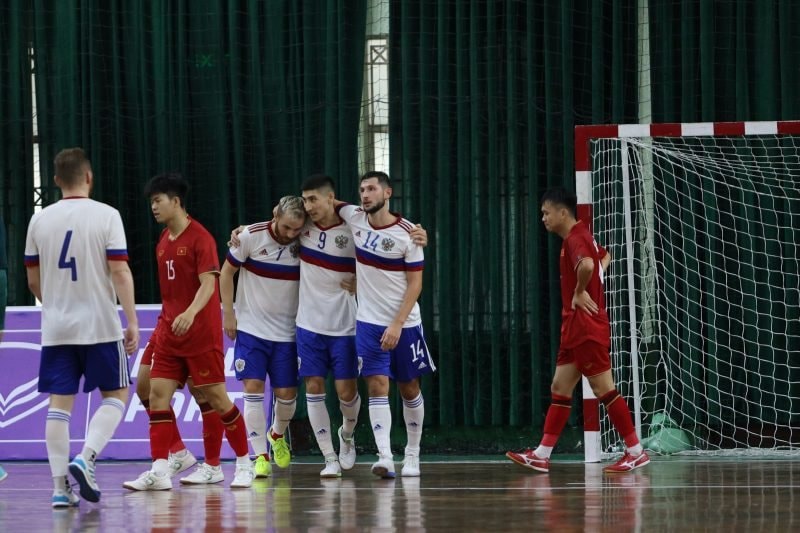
x=709, y=359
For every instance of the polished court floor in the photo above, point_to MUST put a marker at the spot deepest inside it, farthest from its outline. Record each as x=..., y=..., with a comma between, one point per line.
x=685, y=494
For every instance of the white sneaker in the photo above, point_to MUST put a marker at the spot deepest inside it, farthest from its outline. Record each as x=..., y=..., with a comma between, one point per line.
x=150, y=481
x=347, y=451
x=244, y=475
x=384, y=468
x=410, y=466
x=205, y=474
x=180, y=462
x=65, y=498
x=332, y=469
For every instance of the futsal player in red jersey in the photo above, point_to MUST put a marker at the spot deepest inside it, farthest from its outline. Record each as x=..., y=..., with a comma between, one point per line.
x=191, y=345
x=585, y=338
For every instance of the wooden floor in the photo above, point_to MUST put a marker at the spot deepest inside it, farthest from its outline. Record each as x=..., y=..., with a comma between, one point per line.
x=667, y=495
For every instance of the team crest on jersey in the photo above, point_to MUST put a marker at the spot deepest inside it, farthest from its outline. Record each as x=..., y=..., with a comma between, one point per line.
x=182, y=250
x=160, y=252
x=341, y=241
x=387, y=244
x=294, y=249
x=239, y=365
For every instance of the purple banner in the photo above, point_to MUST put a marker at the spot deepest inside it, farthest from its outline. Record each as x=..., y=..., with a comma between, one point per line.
x=23, y=410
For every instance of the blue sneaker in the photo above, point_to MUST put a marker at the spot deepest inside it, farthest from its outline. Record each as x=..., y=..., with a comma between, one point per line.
x=3, y=473
x=84, y=475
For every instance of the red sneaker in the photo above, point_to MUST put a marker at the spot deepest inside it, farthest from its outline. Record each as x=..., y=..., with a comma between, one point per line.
x=628, y=463
x=529, y=459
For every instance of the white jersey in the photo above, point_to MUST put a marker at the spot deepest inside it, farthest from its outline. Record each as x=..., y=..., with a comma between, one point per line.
x=71, y=242
x=267, y=294
x=327, y=257
x=383, y=256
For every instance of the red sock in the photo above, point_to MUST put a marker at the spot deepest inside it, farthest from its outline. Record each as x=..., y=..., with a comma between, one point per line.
x=275, y=436
x=556, y=419
x=212, y=434
x=620, y=417
x=177, y=442
x=160, y=433
x=235, y=431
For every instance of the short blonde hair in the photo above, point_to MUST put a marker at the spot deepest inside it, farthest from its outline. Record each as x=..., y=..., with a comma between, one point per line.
x=291, y=206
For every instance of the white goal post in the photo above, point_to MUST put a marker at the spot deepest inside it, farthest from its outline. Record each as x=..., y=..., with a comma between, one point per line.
x=703, y=224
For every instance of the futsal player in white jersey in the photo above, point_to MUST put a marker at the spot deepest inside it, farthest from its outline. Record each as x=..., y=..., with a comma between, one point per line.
x=389, y=337
x=263, y=324
x=77, y=265
x=326, y=322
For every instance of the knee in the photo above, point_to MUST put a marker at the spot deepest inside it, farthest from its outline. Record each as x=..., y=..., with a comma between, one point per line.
x=409, y=390
x=315, y=386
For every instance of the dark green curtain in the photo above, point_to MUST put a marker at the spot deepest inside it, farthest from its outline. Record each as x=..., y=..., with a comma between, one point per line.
x=245, y=98
x=731, y=61
x=484, y=96
x=725, y=60
x=16, y=140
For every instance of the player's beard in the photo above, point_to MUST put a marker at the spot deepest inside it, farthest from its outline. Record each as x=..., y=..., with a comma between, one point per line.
x=282, y=239
x=377, y=206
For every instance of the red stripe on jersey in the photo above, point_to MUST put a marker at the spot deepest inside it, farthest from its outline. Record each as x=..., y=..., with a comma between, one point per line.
x=261, y=226
x=328, y=265
x=272, y=274
x=381, y=266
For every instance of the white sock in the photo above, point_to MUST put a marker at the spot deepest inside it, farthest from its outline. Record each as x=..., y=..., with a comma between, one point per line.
x=102, y=427
x=350, y=412
x=414, y=414
x=56, y=435
x=243, y=460
x=635, y=451
x=380, y=416
x=161, y=467
x=320, y=422
x=60, y=484
x=543, y=452
x=256, y=422
x=284, y=411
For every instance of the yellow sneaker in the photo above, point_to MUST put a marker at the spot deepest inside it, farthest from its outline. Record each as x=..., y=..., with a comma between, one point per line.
x=263, y=467
x=280, y=450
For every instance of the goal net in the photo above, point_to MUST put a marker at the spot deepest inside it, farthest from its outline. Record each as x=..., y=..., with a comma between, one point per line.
x=704, y=288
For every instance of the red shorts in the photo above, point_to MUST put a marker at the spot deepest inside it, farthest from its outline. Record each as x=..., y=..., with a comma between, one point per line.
x=590, y=358
x=147, y=356
x=205, y=369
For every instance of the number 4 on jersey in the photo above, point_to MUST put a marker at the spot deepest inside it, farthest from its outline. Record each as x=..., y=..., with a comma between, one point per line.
x=62, y=260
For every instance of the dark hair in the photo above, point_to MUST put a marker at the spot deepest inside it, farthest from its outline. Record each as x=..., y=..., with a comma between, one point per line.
x=170, y=183
x=383, y=177
x=317, y=181
x=561, y=196
x=70, y=164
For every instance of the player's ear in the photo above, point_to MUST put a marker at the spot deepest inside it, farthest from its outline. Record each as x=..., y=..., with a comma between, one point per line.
x=387, y=192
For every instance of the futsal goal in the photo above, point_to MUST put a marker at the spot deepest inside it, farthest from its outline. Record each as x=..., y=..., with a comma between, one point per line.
x=703, y=224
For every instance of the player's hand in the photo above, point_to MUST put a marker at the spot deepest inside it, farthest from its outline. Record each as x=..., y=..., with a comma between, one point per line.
x=349, y=285
x=391, y=336
x=419, y=235
x=229, y=325
x=582, y=300
x=182, y=323
x=235, y=242
x=131, y=340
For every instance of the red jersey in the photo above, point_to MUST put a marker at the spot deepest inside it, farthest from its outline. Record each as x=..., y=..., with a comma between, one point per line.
x=578, y=326
x=180, y=263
